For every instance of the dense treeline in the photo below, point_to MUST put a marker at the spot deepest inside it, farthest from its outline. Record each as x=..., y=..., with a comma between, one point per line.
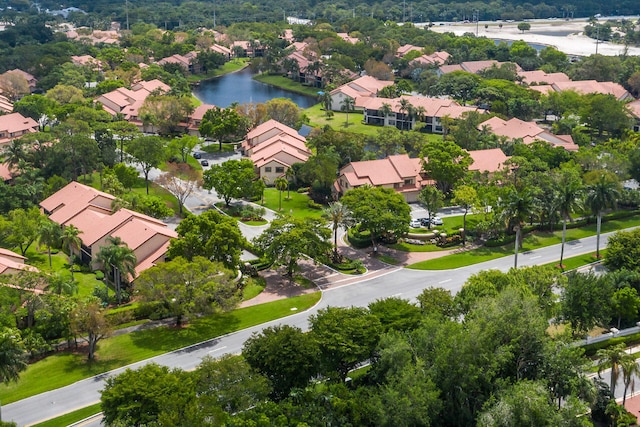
x=195, y=13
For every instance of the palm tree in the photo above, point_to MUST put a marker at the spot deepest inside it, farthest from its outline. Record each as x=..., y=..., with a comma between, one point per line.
x=517, y=208
x=12, y=355
x=630, y=370
x=405, y=106
x=601, y=196
x=338, y=215
x=289, y=173
x=611, y=358
x=386, y=111
x=60, y=284
x=281, y=184
x=50, y=233
x=14, y=153
x=70, y=239
x=347, y=105
x=121, y=258
x=568, y=201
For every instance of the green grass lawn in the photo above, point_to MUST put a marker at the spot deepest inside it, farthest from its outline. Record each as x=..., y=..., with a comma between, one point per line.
x=62, y=369
x=296, y=205
x=252, y=289
x=72, y=417
x=578, y=261
x=214, y=147
x=282, y=82
x=410, y=247
x=533, y=241
x=228, y=67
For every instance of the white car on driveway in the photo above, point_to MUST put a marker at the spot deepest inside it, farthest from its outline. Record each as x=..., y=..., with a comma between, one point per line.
x=415, y=223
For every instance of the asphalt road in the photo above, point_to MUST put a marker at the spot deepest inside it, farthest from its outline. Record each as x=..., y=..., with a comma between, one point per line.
x=404, y=283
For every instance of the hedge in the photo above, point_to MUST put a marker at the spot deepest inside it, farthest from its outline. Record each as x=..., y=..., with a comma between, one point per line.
x=591, y=349
x=359, y=240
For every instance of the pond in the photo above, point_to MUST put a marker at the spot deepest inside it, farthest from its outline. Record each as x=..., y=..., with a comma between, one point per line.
x=241, y=88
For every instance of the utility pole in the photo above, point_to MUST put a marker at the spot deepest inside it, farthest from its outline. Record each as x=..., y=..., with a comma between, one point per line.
x=127, y=12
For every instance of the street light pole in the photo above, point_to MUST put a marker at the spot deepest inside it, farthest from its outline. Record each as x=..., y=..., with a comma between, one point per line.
x=477, y=21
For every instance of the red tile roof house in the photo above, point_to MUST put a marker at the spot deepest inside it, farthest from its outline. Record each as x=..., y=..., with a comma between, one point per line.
x=31, y=81
x=404, y=174
x=6, y=173
x=346, y=37
x=434, y=109
x=195, y=119
x=473, y=67
x=366, y=86
x=539, y=77
x=436, y=58
x=634, y=108
x=12, y=263
x=90, y=211
x=88, y=61
x=128, y=101
x=5, y=105
x=186, y=61
x=527, y=132
x=403, y=50
x=15, y=125
x=589, y=86
x=273, y=147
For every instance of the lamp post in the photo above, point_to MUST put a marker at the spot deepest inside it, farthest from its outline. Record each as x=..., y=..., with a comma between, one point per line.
x=477, y=21
x=515, y=259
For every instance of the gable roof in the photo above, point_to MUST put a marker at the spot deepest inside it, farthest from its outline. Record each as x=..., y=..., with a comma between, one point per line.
x=490, y=160
x=528, y=132
x=71, y=200
x=592, y=86
x=283, y=143
x=269, y=125
x=540, y=77
x=16, y=122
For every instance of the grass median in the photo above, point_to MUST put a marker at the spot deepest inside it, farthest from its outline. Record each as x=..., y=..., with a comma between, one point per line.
x=71, y=418
x=533, y=241
x=62, y=369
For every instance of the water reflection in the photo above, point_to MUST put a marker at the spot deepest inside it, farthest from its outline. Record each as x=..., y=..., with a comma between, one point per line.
x=240, y=87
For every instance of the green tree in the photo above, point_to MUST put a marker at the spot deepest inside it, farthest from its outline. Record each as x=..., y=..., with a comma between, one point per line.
x=345, y=337
x=338, y=216
x=432, y=199
x=183, y=146
x=630, y=370
x=611, y=358
x=625, y=303
x=117, y=258
x=582, y=302
x=288, y=238
x=281, y=184
x=467, y=198
x=24, y=228
x=524, y=26
x=623, y=251
x=436, y=301
x=232, y=179
x=283, y=110
x=446, y=163
x=144, y=396
x=211, y=235
x=125, y=132
x=71, y=239
x=61, y=284
x=285, y=355
x=396, y=314
x=13, y=358
x=516, y=208
x=379, y=211
x=347, y=105
x=89, y=323
x=187, y=288
x=229, y=383
x=569, y=198
x=149, y=152
x=601, y=195
x=166, y=113
x=222, y=124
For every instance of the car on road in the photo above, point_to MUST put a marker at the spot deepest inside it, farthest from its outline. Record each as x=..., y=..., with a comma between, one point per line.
x=424, y=221
x=415, y=223
x=436, y=220
x=197, y=156
x=204, y=162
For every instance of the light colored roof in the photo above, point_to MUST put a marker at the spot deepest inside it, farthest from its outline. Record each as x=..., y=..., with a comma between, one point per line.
x=5, y=172
x=387, y=171
x=199, y=111
x=269, y=125
x=539, y=77
x=592, y=86
x=28, y=77
x=16, y=122
x=473, y=67
x=70, y=200
x=220, y=49
x=5, y=105
x=271, y=149
x=152, y=259
x=545, y=89
x=437, y=58
x=136, y=231
x=491, y=160
x=403, y=50
x=369, y=84
x=346, y=37
x=175, y=59
x=433, y=107
x=151, y=85
x=634, y=107
x=10, y=260
x=512, y=129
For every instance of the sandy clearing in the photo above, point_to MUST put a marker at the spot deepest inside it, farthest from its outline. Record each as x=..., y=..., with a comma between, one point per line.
x=566, y=36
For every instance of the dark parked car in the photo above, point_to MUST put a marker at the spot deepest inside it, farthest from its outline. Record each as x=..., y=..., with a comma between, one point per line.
x=204, y=163
x=197, y=156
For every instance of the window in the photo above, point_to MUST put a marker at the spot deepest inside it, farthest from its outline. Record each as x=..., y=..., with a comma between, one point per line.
x=408, y=181
x=279, y=169
x=267, y=169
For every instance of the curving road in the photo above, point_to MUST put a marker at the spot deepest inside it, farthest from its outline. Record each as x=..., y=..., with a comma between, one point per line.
x=401, y=282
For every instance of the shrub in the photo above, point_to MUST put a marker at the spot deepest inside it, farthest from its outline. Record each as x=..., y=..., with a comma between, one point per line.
x=99, y=275
x=358, y=239
x=303, y=190
x=313, y=205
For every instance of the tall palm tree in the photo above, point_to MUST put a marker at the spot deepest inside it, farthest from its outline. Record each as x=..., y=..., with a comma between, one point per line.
x=517, y=207
x=611, y=358
x=14, y=153
x=120, y=258
x=569, y=197
x=289, y=174
x=405, y=106
x=339, y=215
x=50, y=234
x=70, y=239
x=601, y=196
x=347, y=105
x=281, y=184
x=630, y=370
x=386, y=111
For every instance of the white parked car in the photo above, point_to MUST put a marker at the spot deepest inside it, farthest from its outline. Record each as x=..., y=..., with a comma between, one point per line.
x=415, y=223
x=436, y=220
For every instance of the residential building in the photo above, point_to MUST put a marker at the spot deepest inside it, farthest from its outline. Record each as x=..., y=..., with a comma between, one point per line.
x=195, y=119
x=527, y=132
x=127, y=102
x=31, y=81
x=90, y=211
x=588, y=86
x=404, y=49
x=434, y=59
x=634, y=108
x=363, y=87
x=487, y=161
x=430, y=111
x=473, y=67
x=15, y=125
x=5, y=105
x=187, y=61
x=539, y=77
x=6, y=172
x=87, y=61
x=12, y=263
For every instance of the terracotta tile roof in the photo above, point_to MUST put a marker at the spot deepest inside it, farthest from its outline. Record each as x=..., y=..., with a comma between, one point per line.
x=269, y=125
x=28, y=77
x=273, y=147
x=540, y=77
x=491, y=160
x=175, y=59
x=433, y=107
x=5, y=105
x=528, y=132
x=592, y=86
x=137, y=231
x=346, y=37
x=11, y=261
x=473, y=67
x=6, y=174
x=223, y=50
x=151, y=85
x=71, y=200
x=199, y=111
x=369, y=84
x=436, y=58
x=6, y=253
x=634, y=107
x=153, y=259
x=403, y=50
x=16, y=122
x=545, y=89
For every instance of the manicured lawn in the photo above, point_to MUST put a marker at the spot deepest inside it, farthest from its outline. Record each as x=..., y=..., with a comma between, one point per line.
x=297, y=205
x=228, y=67
x=410, y=247
x=278, y=80
x=254, y=286
x=533, y=241
x=578, y=261
x=62, y=369
x=71, y=417
x=214, y=147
